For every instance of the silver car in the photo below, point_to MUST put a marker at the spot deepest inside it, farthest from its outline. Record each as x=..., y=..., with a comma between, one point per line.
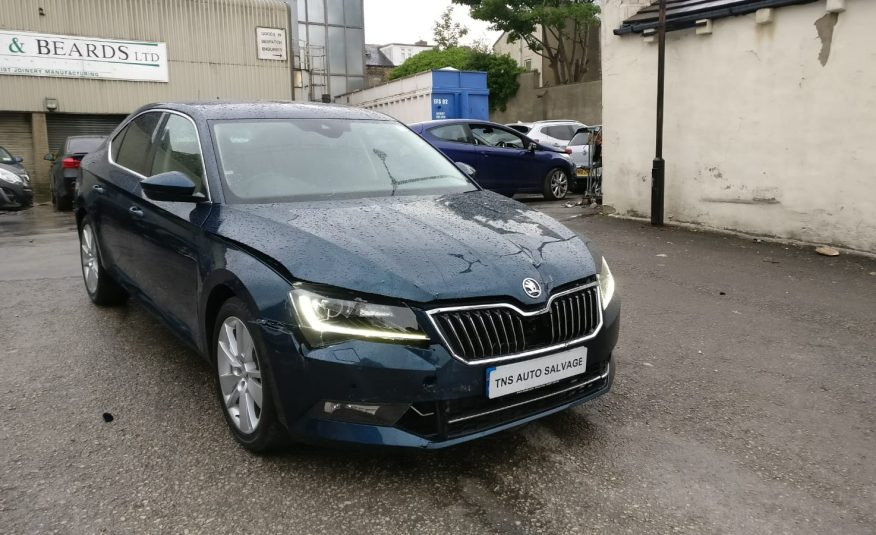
x=555, y=133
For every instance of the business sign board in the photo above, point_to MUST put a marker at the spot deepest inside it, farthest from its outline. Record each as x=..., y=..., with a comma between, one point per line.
x=65, y=56
x=271, y=43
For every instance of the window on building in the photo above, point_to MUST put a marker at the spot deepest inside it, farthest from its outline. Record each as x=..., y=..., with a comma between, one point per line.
x=177, y=149
x=353, y=13
x=315, y=11
x=527, y=64
x=335, y=10
x=131, y=146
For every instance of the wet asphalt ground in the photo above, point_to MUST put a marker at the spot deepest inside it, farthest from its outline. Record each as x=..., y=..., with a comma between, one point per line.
x=744, y=403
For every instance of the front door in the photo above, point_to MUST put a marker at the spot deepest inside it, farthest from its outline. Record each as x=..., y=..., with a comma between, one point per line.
x=504, y=153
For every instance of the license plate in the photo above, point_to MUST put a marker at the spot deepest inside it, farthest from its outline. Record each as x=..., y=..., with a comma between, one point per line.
x=582, y=172
x=533, y=373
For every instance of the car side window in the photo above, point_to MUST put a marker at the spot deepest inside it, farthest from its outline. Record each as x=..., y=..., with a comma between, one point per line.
x=131, y=146
x=456, y=133
x=177, y=149
x=492, y=136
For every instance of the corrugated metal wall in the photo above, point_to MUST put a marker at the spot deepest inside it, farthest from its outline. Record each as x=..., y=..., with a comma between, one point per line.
x=211, y=46
x=60, y=126
x=15, y=136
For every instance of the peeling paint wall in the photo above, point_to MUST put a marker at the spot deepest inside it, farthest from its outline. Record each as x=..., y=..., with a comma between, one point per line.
x=769, y=129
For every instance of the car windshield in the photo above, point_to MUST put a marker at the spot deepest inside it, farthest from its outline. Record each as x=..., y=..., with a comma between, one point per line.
x=79, y=145
x=5, y=157
x=281, y=160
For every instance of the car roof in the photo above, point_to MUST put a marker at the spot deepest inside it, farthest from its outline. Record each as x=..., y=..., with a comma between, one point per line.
x=557, y=121
x=86, y=137
x=439, y=122
x=220, y=110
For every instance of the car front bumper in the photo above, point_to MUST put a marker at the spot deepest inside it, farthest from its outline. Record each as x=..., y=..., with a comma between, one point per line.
x=15, y=195
x=444, y=398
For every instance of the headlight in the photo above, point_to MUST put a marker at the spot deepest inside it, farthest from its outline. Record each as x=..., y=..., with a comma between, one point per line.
x=325, y=320
x=10, y=177
x=606, y=284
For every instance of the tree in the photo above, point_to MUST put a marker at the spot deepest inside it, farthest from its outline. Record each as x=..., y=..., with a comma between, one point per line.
x=446, y=32
x=566, y=27
x=501, y=71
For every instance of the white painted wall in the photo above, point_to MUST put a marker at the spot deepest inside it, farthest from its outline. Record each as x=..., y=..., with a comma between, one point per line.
x=399, y=53
x=760, y=137
x=407, y=99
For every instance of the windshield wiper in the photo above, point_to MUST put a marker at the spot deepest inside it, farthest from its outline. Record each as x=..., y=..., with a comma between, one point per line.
x=423, y=179
x=382, y=155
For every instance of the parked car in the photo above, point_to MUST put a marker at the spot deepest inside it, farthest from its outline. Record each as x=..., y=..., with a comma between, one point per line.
x=556, y=133
x=345, y=279
x=65, y=168
x=506, y=161
x=15, y=187
x=586, y=152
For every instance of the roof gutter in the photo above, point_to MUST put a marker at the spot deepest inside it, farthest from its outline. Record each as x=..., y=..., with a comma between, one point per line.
x=689, y=20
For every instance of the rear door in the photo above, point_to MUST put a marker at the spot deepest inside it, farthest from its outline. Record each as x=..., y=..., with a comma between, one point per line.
x=116, y=191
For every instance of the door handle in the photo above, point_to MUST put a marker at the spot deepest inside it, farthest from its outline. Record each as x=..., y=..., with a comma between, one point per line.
x=135, y=211
x=98, y=188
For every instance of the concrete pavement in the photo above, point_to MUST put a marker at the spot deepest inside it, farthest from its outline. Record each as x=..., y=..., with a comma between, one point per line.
x=744, y=402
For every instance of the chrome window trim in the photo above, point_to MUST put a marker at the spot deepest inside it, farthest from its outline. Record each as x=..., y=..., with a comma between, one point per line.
x=521, y=403
x=142, y=177
x=431, y=313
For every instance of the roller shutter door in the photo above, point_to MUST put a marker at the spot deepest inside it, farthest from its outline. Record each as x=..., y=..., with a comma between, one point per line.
x=63, y=125
x=15, y=136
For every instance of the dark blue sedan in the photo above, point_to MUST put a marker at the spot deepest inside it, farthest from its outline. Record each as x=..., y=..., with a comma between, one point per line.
x=344, y=279
x=506, y=161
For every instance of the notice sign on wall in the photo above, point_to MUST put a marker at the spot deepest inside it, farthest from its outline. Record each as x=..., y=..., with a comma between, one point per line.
x=271, y=43
x=65, y=56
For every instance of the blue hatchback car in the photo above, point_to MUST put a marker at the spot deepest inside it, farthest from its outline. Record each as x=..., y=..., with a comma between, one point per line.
x=344, y=279
x=506, y=161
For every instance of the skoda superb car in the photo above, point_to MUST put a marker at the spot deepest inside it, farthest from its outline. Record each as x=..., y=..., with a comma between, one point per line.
x=345, y=280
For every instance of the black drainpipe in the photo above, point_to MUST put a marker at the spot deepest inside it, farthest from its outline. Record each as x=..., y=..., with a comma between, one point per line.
x=659, y=167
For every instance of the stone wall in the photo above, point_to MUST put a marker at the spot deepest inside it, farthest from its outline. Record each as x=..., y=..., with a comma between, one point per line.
x=582, y=102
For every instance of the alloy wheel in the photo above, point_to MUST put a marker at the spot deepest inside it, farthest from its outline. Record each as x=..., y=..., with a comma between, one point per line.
x=240, y=378
x=88, y=255
x=559, y=184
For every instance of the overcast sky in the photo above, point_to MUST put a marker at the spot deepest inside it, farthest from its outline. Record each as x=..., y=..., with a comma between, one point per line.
x=407, y=21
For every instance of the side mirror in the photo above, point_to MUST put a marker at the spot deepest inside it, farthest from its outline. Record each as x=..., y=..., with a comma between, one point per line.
x=467, y=169
x=170, y=186
x=532, y=147
x=18, y=159
x=49, y=157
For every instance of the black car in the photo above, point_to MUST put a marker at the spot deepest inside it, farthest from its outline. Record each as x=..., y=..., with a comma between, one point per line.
x=65, y=168
x=15, y=187
x=346, y=281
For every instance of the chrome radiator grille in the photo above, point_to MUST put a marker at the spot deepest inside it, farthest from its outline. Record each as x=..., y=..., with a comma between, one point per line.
x=497, y=332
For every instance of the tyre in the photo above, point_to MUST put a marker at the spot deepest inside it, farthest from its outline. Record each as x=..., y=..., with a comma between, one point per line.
x=556, y=184
x=243, y=383
x=100, y=287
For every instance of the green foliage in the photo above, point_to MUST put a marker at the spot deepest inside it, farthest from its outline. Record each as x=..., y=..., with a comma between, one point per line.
x=432, y=59
x=502, y=74
x=566, y=26
x=446, y=32
x=501, y=71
